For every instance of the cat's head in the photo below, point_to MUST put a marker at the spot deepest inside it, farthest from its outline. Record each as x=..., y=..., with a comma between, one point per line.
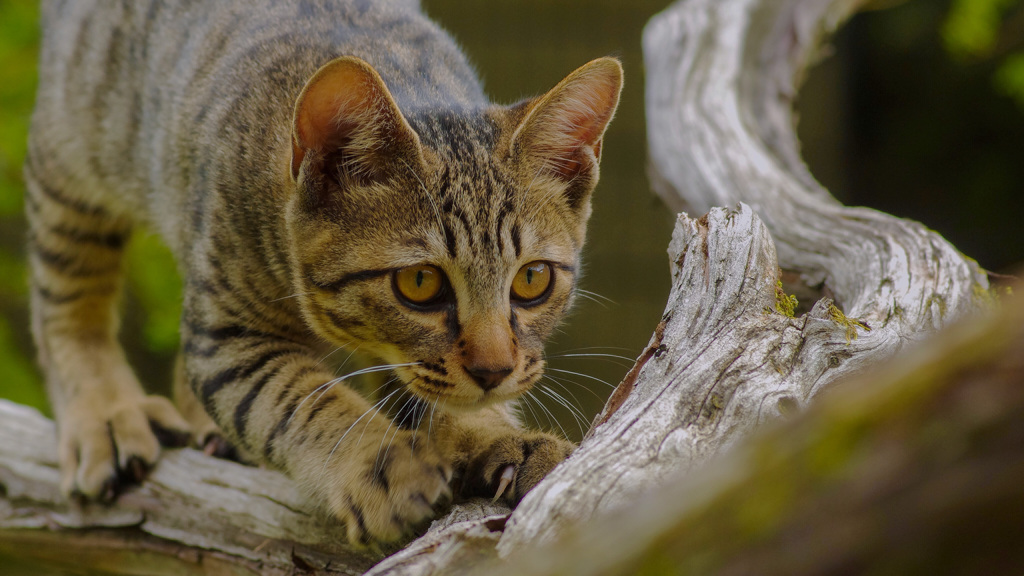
x=446, y=242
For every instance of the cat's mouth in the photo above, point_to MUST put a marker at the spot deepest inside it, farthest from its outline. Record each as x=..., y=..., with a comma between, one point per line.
x=465, y=392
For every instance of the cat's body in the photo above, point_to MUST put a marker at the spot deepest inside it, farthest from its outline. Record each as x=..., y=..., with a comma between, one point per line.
x=327, y=174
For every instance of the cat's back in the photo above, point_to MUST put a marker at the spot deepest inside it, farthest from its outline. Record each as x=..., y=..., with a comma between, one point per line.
x=137, y=97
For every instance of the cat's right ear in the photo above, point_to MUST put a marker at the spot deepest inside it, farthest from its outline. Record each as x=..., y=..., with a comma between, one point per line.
x=347, y=120
x=561, y=132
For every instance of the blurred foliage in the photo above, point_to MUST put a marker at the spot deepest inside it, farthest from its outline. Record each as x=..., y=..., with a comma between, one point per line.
x=989, y=29
x=1009, y=78
x=972, y=27
x=907, y=125
x=153, y=287
x=18, y=42
x=154, y=282
x=19, y=34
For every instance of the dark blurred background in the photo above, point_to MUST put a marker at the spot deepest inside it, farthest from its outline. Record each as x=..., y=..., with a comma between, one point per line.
x=919, y=111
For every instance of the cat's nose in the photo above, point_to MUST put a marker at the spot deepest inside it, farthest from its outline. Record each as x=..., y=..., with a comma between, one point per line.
x=488, y=379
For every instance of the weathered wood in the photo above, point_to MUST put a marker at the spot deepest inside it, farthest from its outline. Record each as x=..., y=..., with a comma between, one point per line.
x=193, y=513
x=915, y=467
x=459, y=543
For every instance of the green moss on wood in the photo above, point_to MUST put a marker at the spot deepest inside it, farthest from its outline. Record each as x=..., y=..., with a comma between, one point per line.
x=851, y=324
x=785, y=304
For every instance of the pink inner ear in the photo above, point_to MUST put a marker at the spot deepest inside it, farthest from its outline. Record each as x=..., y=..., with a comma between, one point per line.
x=575, y=119
x=590, y=116
x=336, y=101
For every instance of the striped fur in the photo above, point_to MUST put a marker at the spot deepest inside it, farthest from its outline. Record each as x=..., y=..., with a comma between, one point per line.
x=294, y=156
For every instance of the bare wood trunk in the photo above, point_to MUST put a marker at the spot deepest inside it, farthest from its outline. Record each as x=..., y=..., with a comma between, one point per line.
x=725, y=359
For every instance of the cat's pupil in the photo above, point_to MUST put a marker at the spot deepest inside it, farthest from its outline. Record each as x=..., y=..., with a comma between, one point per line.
x=529, y=276
x=419, y=279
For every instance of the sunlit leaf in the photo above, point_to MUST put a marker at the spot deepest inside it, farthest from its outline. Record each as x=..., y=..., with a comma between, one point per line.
x=1009, y=78
x=972, y=27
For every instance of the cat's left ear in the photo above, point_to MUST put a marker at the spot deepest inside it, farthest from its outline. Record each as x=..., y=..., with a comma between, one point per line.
x=561, y=132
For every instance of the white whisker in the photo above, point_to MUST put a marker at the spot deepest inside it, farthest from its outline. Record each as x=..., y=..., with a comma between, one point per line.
x=338, y=443
x=591, y=298
x=623, y=361
x=560, y=381
x=551, y=417
x=323, y=388
x=581, y=375
x=581, y=349
x=592, y=355
x=576, y=413
x=430, y=424
x=378, y=461
x=528, y=396
x=421, y=413
x=296, y=295
x=332, y=353
x=557, y=382
x=596, y=297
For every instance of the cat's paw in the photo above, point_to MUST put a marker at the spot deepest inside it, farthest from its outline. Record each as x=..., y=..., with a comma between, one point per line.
x=514, y=463
x=382, y=495
x=107, y=444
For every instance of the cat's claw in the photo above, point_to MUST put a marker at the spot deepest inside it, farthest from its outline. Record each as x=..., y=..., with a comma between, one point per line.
x=219, y=447
x=513, y=464
x=507, y=476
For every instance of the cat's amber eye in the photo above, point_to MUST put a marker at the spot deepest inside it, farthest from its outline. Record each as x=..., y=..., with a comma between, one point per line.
x=532, y=281
x=419, y=284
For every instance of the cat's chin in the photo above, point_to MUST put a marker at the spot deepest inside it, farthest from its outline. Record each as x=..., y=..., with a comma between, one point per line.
x=461, y=405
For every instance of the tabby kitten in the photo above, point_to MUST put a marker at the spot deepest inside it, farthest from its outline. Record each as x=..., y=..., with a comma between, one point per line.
x=328, y=174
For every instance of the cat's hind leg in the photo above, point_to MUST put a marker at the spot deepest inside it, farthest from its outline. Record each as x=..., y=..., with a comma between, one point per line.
x=109, y=430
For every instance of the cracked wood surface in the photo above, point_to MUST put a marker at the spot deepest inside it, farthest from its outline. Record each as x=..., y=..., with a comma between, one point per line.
x=913, y=467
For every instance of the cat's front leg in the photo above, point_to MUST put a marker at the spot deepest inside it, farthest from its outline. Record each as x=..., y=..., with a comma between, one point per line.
x=109, y=431
x=274, y=400
x=495, y=457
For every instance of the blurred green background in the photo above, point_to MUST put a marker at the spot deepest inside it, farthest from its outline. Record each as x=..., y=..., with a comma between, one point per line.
x=920, y=112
